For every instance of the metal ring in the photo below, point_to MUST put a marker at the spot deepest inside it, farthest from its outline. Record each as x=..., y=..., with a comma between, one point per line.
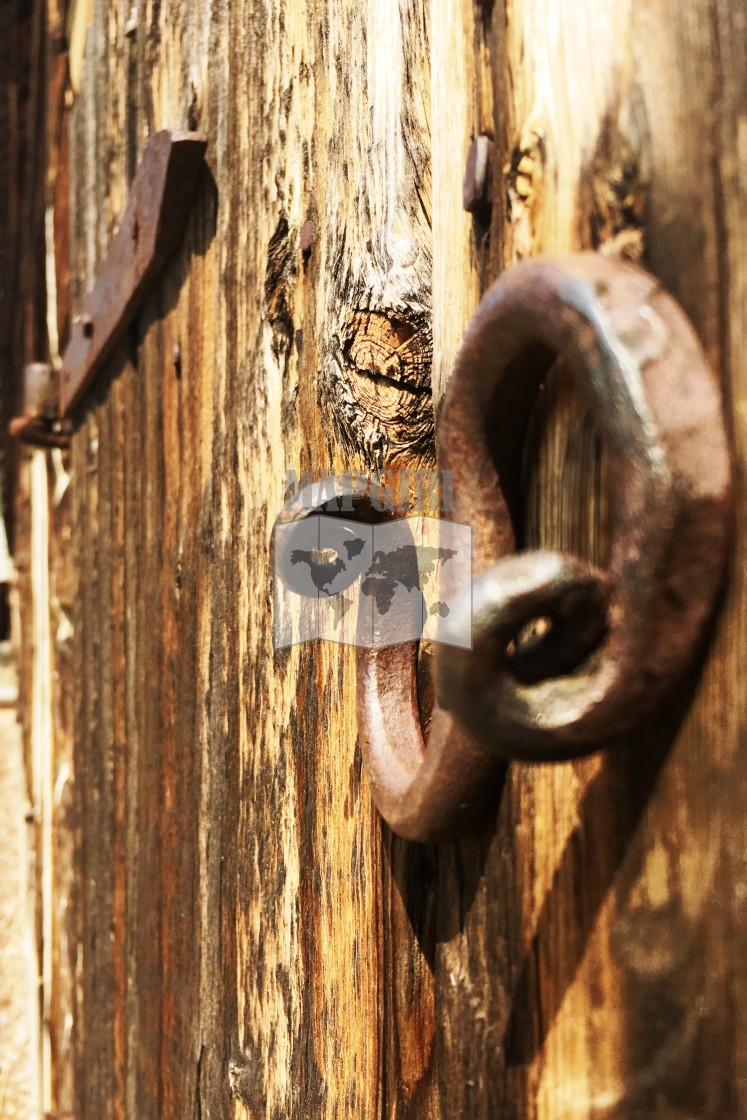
x=625, y=635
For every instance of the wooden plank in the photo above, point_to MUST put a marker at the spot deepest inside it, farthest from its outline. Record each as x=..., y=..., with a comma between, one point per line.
x=270, y=1035
x=601, y=942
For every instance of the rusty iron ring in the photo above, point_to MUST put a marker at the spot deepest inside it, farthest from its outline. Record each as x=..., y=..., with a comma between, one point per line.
x=623, y=637
x=618, y=639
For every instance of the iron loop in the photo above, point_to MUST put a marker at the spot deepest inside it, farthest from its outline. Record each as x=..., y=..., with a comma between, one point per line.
x=620, y=639
x=565, y=658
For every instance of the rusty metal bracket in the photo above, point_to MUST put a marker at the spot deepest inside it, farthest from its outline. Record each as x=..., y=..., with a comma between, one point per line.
x=152, y=227
x=612, y=644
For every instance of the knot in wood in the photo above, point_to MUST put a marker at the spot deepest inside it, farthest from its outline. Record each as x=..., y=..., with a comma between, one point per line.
x=387, y=363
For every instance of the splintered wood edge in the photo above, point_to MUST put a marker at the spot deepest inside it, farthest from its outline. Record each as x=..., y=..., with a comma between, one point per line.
x=152, y=227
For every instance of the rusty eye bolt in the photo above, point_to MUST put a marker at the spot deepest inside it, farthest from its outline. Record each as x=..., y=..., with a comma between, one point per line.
x=618, y=640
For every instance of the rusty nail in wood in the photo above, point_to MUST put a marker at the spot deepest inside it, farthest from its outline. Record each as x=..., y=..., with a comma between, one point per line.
x=476, y=175
x=306, y=237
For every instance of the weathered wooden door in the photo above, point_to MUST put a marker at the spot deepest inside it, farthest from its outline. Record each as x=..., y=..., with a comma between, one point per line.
x=236, y=933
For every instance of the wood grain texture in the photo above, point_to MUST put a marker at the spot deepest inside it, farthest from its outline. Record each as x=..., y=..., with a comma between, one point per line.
x=616, y=972
x=248, y=939
x=239, y=853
